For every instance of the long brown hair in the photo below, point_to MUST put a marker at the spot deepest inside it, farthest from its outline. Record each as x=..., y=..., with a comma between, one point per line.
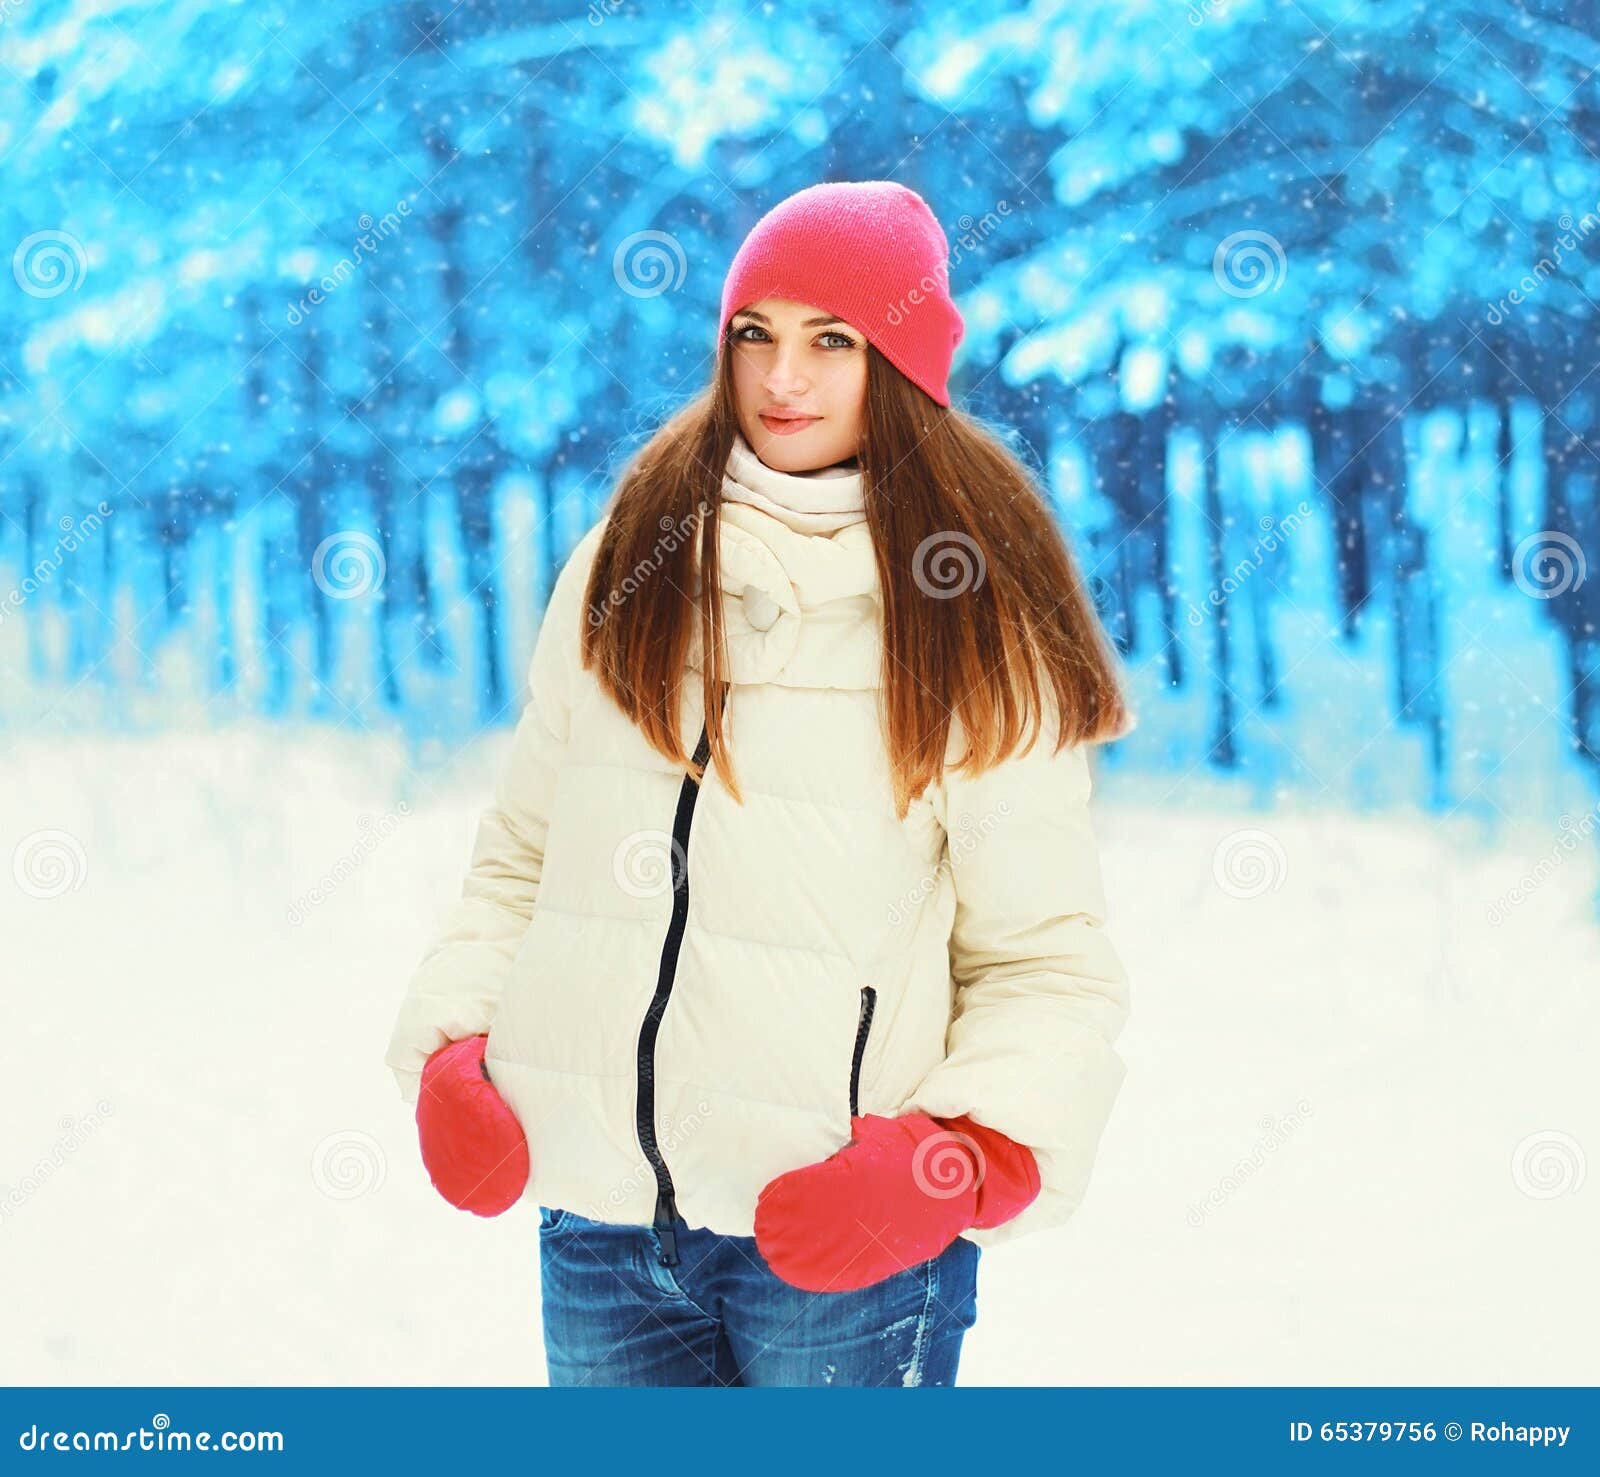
x=942, y=494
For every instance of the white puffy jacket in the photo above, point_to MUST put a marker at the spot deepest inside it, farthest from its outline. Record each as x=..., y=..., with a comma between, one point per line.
x=671, y=1036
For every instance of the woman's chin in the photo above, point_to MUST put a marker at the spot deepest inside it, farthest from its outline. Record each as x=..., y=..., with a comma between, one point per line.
x=805, y=450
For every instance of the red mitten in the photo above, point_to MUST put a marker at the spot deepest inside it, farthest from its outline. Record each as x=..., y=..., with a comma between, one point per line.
x=898, y=1193
x=472, y=1145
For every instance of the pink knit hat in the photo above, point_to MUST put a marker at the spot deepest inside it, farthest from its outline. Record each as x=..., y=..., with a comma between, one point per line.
x=869, y=251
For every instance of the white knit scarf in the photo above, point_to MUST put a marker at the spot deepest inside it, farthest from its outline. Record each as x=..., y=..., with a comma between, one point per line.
x=820, y=502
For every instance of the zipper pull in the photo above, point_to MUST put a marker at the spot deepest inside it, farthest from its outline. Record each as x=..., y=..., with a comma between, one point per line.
x=669, y=1246
x=666, y=1230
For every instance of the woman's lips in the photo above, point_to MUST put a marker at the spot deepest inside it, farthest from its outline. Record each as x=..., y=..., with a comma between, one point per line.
x=780, y=426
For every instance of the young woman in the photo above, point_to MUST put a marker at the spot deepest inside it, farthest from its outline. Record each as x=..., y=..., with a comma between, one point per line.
x=778, y=980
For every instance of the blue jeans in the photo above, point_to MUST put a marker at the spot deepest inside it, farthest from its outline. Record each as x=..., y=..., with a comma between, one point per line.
x=613, y=1315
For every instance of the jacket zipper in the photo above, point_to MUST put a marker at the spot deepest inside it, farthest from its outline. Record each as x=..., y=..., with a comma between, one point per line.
x=869, y=1001
x=666, y=1213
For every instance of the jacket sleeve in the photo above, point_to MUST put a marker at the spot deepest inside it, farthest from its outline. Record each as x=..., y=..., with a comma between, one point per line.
x=455, y=990
x=1040, y=993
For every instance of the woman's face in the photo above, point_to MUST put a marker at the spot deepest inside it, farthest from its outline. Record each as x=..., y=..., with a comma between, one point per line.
x=802, y=361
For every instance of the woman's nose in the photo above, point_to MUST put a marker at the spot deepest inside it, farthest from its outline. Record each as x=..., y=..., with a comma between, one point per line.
x=785, y=375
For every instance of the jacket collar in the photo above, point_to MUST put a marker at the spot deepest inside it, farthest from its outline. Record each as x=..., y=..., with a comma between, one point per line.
x=800, y=609
x=812, y=502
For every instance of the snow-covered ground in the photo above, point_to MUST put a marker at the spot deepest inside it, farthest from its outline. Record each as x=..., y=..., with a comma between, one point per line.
x=1349, y=1149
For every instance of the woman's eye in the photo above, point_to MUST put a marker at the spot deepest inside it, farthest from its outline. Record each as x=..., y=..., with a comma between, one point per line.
x=843, y=340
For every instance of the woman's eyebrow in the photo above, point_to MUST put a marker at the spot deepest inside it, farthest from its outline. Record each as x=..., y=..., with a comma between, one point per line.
x=807, y=323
